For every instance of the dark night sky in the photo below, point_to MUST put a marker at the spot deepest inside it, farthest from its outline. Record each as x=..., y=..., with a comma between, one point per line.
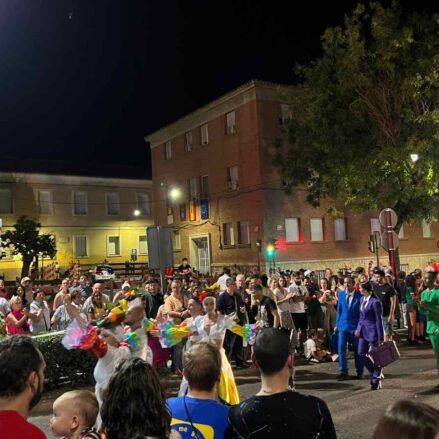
x=85, y=80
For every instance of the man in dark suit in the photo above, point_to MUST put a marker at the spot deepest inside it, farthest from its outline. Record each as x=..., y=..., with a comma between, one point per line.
x=230, y=303
x=348, y=315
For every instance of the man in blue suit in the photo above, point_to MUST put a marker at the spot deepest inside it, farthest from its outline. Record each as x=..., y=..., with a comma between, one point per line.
x=348, y=315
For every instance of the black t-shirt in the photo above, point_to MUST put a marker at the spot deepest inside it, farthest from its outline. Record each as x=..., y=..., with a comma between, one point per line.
x=184, y=268
x=283, y=415
x=384, y=293
x=266, y=308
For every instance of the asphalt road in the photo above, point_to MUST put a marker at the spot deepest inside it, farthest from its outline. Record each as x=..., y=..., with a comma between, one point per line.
x=355, y=409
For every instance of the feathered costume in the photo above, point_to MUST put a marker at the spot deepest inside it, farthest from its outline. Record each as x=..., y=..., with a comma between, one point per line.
x=173, y=334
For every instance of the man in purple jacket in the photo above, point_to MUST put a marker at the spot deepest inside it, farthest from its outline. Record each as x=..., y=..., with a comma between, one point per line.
x=370, y=331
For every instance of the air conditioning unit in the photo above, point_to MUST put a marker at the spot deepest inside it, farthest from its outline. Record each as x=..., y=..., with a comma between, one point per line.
x=233, y=185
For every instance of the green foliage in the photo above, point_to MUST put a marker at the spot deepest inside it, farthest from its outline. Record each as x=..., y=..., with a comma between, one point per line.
x=361, y=109
x=26, y=240
x=64, y=367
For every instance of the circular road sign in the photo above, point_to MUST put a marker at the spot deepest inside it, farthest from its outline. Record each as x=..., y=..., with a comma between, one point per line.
x=387, y=238
x=388, y=217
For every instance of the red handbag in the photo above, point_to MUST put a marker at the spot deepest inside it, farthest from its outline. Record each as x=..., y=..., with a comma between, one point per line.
x=384, y=354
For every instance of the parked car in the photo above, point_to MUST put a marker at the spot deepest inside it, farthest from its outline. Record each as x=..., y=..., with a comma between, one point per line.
x=102, y=272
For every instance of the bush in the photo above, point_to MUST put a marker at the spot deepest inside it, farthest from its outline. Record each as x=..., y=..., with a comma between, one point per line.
x=64, y=367
x=68, y=368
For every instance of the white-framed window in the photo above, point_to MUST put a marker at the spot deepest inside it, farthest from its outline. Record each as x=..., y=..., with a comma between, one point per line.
x=228, y=234
x=232, y=178
x=204, y=134
x=143, y=204
x=285, y=114
x=292, y=227
x=188, y=141
x=317, y=229
x=204, y=186
x=45, y=204
x=426, y=229
x=230, y=123
x=401, y=232
x=113, y=246
x=340, y=233
x=80, y=206
x=112, y=203
x=80, y=246
x=6, y=206
x=176, y=240
x=191, y=189
x=168, y=150
x=375, y=225
x=143, y=245
x=244, y=233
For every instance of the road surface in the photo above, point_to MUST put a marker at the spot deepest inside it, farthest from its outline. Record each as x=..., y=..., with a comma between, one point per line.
x=355, y=409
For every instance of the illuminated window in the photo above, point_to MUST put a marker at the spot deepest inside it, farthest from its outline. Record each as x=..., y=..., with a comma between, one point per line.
x=317, y=229
x=292, y=229
x=228, y=234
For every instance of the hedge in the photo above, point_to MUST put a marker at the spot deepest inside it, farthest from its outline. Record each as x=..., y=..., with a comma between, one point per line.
x=63, y=367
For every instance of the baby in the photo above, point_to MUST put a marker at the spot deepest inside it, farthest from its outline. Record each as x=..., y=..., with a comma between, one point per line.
x=74, y=414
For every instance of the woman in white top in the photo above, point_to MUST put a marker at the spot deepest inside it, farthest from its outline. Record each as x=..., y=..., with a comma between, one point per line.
x=39, y=314
x=211, y=328
x=283, y=301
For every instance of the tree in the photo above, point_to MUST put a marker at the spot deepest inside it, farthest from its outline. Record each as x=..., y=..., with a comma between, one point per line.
x=361, y=110
x=26, y=240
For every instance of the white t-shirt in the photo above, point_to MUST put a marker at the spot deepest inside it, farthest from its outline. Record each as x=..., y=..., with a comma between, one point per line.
x=297, y=290
x=309, y=347
x=44, y=324
x=281, y=294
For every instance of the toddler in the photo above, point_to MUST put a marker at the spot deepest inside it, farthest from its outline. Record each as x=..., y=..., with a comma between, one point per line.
x=74, y=414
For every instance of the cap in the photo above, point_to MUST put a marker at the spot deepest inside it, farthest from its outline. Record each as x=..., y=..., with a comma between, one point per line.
x=126, y=285
x=25, y=279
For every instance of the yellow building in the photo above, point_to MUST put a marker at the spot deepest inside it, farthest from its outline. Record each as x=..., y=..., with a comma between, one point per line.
x=91, y=218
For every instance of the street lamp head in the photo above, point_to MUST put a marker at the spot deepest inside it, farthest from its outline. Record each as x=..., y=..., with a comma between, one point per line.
x=414, y=157
x=137, y=212
x=175, y=193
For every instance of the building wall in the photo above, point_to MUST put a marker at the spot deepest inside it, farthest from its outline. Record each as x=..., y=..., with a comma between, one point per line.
x=260, y=198
x=64, y=225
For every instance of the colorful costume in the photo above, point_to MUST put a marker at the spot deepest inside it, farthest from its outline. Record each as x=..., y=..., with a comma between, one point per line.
x=172, y=334
x=135, y=344
x=431, y=307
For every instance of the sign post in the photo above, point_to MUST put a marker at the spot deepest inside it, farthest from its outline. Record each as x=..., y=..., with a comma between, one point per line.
x=160, y=252
x=390, y=241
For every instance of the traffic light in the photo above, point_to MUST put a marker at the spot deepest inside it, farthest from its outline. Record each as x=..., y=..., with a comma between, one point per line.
x=270, y=250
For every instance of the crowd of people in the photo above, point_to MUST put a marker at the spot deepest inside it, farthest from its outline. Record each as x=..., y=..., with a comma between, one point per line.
x=287, y=313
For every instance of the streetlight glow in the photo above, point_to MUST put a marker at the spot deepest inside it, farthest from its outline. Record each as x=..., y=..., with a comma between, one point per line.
x=414, y=157
x=137, y=212
x=174, y=193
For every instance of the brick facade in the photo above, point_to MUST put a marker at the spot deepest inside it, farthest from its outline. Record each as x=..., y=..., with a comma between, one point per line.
x=257, y=199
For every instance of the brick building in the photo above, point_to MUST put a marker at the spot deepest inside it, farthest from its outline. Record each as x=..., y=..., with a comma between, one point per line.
x=214, y=184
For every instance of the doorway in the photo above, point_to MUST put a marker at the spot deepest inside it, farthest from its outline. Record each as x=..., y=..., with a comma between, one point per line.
x=200, y=253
